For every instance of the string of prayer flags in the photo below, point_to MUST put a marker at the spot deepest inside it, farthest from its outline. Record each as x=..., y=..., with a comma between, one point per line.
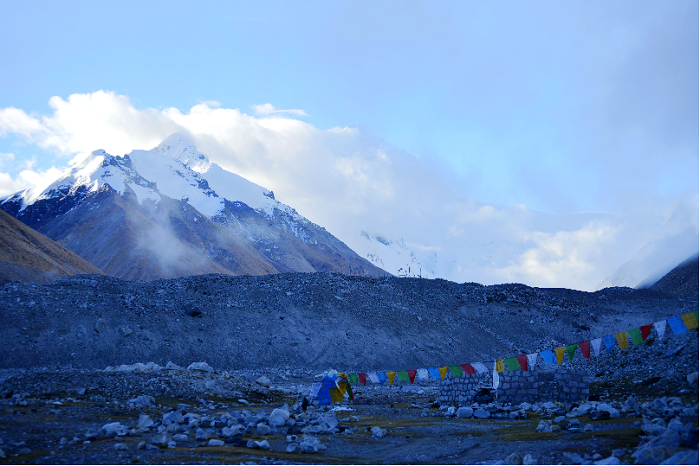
x=622, y=340
x=690, y=320
x=443, y=372
x=512, y=363
x=596, y=346
x=456, y=371
x=412, y=374
x=677, y=325
x=660, y=327
x=468, y=369
x=547, y=356
x=403, y=376
x=636, y=336
x=585, y=349
x=560, y=354
x=500, y=365
x=435, y=373
x=390, y=376
x=532, y=360
x=522, y=360
x=570, y=350
x=609, y=342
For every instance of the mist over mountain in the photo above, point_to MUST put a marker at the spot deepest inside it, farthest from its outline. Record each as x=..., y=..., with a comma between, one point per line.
x=169, y=212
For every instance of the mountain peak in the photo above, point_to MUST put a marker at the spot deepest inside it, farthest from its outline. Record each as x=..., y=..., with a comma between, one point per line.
x=181, y=146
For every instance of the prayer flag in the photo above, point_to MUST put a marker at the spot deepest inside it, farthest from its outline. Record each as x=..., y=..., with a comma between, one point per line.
x=500, y=366
x=435, y=373
x=522, y=360
x=390, y=376
x=547, y=356
x=512, y=363
x=609, y=342
x=677, y=325
x=456, y=371
x=660, y=327
x=423, y=374
x=636, y=336
x=560, y=353
x=363, y=378
x=354, y=378
x=689, y=320
x=443, y=372
x=479, y=367
x=622, y=340
x=315, y=387
x=496, y=377
x=468, y=369
x=412, y=374
x=645, y=330
x=373, y=377
x=382, y=377
x=338, y=392
x=403, y=376
x=596, y=346
x=532, y=360
x=585, y=349
x=571, y=350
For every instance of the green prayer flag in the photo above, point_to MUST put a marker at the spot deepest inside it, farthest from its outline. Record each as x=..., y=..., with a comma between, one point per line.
x=403, y=376
x=354, y=378
x=513, y=364
x=696, y=316
x=570, y=350
x=636, y=336
x=456, y=371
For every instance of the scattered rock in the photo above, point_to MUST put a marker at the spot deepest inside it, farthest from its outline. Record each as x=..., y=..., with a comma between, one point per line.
x=465, y=412
x=143, y=401
x=513, y=458
x=215, y=443
x=262, y=445
x=378, y=432
x=114, y=429
x=200, y=366
x=264, y=381
x=100, y=325
x=482, y=414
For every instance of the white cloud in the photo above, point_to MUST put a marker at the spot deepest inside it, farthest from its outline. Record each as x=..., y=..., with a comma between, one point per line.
x=269, y=109
x=349, y=180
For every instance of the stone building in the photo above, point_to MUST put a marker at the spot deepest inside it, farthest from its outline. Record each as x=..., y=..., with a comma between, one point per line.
x=561, y=384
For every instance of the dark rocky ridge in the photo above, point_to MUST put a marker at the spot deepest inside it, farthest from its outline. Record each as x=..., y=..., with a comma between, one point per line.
x=315, y=321
x=683, y=280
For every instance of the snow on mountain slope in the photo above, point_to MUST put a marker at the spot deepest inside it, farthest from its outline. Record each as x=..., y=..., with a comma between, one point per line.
x=252, y=219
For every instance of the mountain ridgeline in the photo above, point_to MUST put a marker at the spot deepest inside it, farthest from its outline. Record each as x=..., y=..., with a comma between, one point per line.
x=169, y=213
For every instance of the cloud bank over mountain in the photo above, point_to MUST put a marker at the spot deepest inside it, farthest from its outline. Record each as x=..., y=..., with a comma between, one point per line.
x=380, y=200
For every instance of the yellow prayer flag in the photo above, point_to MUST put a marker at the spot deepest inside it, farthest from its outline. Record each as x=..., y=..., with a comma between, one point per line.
x=622, y=340
x=390, y=376
x=560, y=354
x=689, y=320
x=443, y=371
x=337, y=394
x=500, y=365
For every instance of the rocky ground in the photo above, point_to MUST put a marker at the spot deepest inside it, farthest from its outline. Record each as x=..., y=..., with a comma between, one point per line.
x=144, y=413
x=72, y=389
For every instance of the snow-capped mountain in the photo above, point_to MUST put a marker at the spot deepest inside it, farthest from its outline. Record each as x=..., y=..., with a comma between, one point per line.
x=170, y=212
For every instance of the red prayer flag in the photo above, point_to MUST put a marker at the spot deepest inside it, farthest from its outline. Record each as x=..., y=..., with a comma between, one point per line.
x=522, y=359
x=585, y=349
x=363, y=378
x=412, y=374
x=468, y=369
x=645, y=330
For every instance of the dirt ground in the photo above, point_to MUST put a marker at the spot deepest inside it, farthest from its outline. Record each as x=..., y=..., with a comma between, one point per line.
x=50, y=426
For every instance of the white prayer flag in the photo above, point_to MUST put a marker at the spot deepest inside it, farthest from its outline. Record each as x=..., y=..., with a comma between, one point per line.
x=531, y=361
x=660, y=327
x=595, y=344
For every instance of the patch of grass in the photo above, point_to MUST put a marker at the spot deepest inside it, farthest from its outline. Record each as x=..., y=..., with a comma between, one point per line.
x=228, y=455
x=625, y=437
x=524, y=432
x=171, y=402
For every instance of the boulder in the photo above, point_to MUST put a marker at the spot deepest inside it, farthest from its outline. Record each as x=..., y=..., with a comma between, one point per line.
x=200, y=366
x=465, y=412
x=145, y=422
x=378, y=432
x=482, y=414
x=514, y=458
x=544, y=426
x=606, y=408
x=215, y=443
x=143, y=401
x=610, y=460
x=692, y=378
x=262, y=445
x=172, y=417
x=264, y=381
x=114, y=429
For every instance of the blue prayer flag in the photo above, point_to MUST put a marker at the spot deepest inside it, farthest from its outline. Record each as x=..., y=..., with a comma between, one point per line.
x=435, y=372
x=548, y=356
x=609, y=341
x=677, y=325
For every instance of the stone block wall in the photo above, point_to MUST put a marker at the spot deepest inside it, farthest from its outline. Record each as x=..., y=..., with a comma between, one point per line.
x=561, y=384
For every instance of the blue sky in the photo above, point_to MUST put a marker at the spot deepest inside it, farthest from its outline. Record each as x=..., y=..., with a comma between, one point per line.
x=562, y=106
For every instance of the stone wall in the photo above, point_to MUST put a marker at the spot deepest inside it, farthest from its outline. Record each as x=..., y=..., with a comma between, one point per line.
x=564, y=385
